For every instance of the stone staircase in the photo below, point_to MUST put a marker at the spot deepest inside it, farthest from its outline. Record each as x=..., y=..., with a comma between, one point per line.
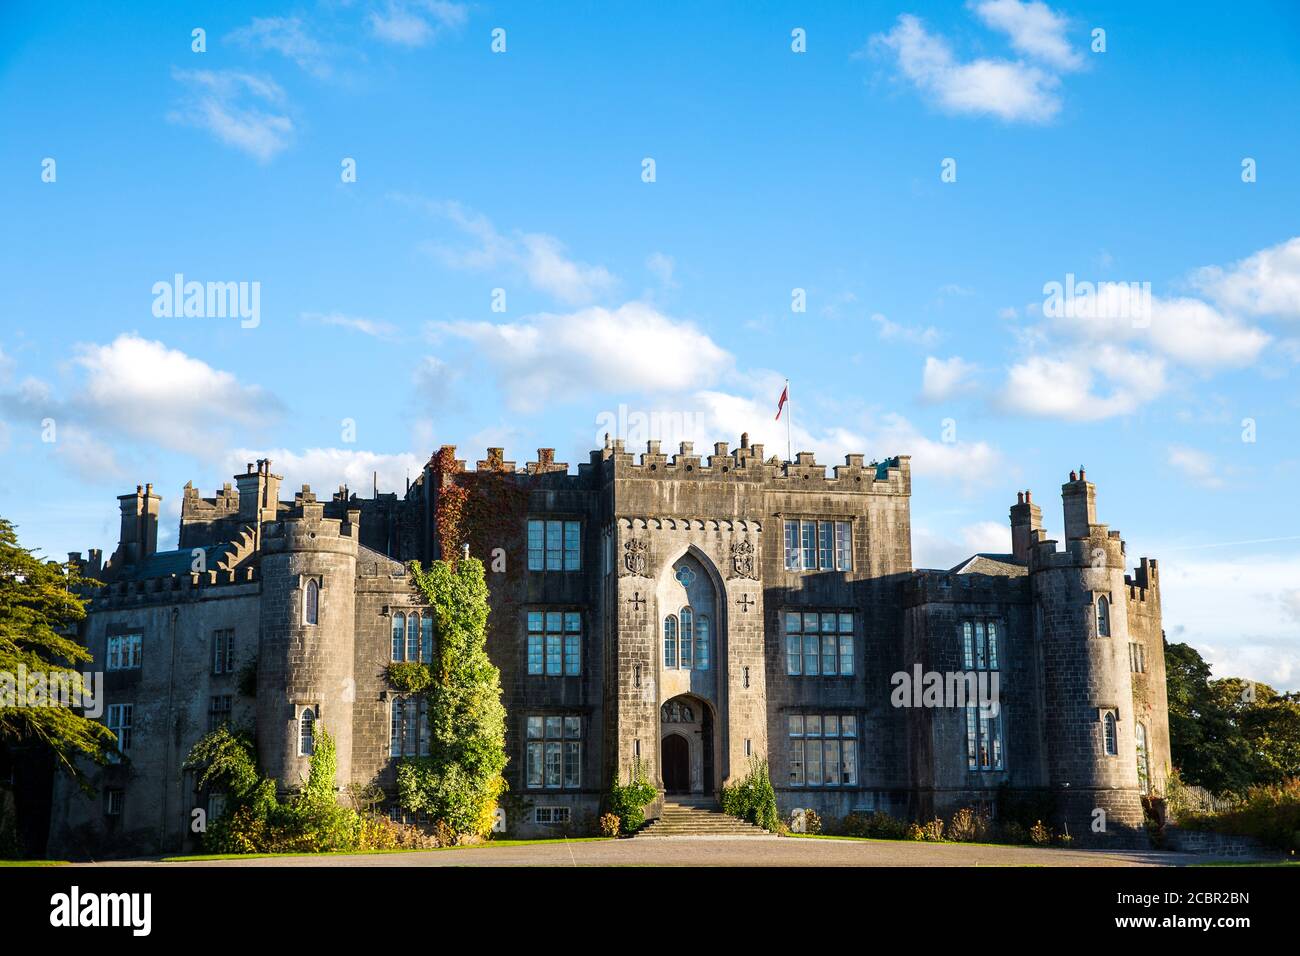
x=698, y=817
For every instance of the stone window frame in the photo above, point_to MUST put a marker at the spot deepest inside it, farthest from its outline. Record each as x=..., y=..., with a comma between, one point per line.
x=564, y=521
x=564, y=610
x=987, y=656
x=840, y=737
x=401, y=702
x=564, y=741
x=299, y=722
x=1108, y=719
x=841, y=554
x=1101, y=608
x=310, y=614
x=1137, y=657
x=219, y=704
x=120, y=717
x=135, y=659
x=223, y=650
x=839, y=634
x=114, y=801
x=426, y=638
x=556, y=816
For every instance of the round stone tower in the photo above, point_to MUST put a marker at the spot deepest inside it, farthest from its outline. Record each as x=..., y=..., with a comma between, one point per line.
x=1082, y=624
x=305, y=667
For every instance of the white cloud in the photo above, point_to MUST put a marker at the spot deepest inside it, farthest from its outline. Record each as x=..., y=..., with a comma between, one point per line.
x=288, y=37
x=938, y=551
x=891, y=331
x=327, y=468
x=137, y=390
x=141, y=388
x=632, y=348
x=943, y=379
x=1266, y=283
x=1197, y=466
x=1010, y=90
x=1186, y=330
x=1064, y=387
x=414, y=23
x=371, y=327
x=240, y=109
x=539, y=257
x=1034, y=29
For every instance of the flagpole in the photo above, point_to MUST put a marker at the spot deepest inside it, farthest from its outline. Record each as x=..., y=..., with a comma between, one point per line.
x=789, y=413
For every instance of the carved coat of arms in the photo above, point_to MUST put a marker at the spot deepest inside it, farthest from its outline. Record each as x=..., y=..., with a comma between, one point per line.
x=634, y=557
x=742, y=559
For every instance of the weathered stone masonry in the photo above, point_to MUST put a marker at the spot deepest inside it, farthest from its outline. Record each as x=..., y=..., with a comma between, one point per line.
x=698, y=539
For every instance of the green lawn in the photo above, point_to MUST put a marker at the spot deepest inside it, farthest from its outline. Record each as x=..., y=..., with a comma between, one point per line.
x=33, y=862
x=473, y=846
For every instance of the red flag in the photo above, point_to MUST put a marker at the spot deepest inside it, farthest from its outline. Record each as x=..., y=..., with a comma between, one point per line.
x=785, y=394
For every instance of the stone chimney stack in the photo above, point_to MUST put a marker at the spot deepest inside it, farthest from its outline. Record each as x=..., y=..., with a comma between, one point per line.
x=139, y=535
x=259, y=494
x=1079, y=500
x=1026, y=518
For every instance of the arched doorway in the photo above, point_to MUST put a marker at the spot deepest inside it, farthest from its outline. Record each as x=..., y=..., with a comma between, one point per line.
x=676, y=764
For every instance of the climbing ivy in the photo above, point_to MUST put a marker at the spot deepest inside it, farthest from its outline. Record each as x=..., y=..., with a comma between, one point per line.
x=460, y=781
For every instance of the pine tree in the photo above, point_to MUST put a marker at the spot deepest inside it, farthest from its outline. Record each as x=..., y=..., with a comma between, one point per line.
x=40, y=605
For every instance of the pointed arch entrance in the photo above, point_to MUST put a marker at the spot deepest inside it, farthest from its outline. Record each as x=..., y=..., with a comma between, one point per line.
x=686, y=745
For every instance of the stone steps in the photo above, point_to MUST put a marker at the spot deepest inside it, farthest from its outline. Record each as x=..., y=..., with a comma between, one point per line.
x=697, y=818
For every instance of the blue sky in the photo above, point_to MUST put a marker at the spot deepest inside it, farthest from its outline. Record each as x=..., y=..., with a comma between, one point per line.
x=924, y=331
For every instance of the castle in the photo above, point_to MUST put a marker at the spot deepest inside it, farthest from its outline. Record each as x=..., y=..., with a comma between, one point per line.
x=684, y=613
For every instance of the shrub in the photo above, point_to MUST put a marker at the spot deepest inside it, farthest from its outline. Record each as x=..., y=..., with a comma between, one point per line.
x=878, y=826
x=1014, y=832
x=610, y=824
x=914, y=832
x=1039, y=834
x=753, y=798
x=934, y=830
x=812, y=823
x=968, y=826
x=1269, y=813
x=628, y=801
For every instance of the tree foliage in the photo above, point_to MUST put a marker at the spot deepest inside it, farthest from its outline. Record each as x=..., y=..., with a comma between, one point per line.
x=41, y=603
x=460, y=781
x=1228, y=735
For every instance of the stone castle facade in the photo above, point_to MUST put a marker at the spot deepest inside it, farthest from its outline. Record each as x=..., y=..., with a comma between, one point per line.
x=685, y=613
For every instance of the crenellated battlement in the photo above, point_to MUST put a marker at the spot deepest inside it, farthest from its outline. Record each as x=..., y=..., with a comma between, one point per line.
x=938, y=587
x=176, y=588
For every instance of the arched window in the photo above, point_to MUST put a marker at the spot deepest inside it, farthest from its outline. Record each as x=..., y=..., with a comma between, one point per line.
x=311, y=602
x=426, y=638
x=1144, y=764
x=688, y=628
x=670, y=641
x=1103, y=616
x=1109, y=733
x=703, y=640
x=307, y=732
x=399, y=635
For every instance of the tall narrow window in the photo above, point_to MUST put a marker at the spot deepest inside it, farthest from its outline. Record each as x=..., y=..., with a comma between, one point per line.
x=426, y=638
x=792, y=559
x=399, y=635
x=413, y=637
x=688, y=628
x=826, y=544
x=572, y=643
x=670, y=641
x=808, y=544
x=307, y=732
x=1103, y=616
x=311, y=602
x=843, y=546
x=703, y=642
x=979, y=647
x=1109, y=734
x=120, y=717
x=1144, y=765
